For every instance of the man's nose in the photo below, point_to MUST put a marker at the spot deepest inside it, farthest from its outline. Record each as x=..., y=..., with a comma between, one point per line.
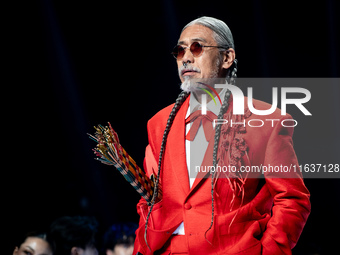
x=188, y=57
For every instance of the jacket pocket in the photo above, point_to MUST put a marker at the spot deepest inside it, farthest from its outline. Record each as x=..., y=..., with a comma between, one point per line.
x=241, y=236
x=155, y=213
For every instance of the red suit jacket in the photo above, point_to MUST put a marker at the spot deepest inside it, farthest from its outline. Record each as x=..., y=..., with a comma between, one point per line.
x=269, y=219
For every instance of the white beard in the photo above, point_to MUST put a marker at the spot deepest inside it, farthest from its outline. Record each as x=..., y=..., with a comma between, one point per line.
x=193, y=84
x=187, y=85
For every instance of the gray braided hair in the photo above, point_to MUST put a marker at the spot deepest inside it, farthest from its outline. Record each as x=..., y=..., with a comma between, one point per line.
x=231, y=80
x=179, y=101
x=222, y=33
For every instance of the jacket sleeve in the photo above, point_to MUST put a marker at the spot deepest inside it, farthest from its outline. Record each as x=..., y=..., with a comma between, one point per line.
x=150, y=166
x=291, y=199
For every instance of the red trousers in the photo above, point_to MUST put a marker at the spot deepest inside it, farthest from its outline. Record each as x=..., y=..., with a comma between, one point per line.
x=175, y=245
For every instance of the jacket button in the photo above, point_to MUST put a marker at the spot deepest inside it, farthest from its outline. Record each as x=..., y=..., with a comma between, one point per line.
x=187, y=206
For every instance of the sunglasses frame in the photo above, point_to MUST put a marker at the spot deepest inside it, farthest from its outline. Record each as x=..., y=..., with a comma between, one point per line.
x=175, y=54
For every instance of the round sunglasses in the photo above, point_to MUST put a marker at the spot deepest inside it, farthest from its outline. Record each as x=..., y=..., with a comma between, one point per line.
x=196, y=50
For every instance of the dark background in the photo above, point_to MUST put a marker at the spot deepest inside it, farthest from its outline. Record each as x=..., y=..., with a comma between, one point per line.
x=76, y=64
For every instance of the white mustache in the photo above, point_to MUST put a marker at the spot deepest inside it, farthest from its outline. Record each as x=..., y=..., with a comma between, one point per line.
x=188, y=68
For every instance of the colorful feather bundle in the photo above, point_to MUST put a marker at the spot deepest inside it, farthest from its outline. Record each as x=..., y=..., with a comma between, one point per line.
x=110, y=152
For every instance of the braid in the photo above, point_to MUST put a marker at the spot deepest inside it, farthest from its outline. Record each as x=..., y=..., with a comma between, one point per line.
x=179, y=101
x=231, y=78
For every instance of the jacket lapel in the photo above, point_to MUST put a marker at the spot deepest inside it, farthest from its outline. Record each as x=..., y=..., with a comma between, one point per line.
x=177, y=152
x=176, y=147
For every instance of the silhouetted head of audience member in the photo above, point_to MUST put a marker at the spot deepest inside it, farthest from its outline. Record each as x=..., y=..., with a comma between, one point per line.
x=74, y=235
x=34, y=243
x=119, y=239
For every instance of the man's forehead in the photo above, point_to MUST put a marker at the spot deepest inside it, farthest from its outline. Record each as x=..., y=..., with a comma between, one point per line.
x=196, y=33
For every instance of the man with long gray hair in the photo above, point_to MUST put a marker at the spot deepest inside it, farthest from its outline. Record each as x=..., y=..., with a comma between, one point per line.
x=213, y=212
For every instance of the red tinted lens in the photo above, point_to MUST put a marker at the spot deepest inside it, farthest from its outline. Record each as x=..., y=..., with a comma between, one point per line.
x=178, y=52
x=196, y=49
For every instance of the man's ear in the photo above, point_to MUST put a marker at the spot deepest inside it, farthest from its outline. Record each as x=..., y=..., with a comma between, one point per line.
x=228, y=58
x=109, y=252
x=16, y=250
x=76, y=251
